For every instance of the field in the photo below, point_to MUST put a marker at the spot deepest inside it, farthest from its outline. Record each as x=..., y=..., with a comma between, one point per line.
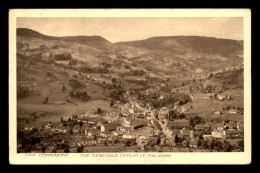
x=203, y=106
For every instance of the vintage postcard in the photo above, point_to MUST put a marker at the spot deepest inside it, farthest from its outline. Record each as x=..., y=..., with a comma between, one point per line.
x=130, y=86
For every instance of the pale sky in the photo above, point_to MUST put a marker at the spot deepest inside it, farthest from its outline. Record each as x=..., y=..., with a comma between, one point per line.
x=128, y=29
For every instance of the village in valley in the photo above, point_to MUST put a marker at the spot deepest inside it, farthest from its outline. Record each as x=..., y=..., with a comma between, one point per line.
x=138, y=126
x=115, y=101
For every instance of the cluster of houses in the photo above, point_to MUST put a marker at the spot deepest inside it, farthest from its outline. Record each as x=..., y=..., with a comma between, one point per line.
x=182, y=129
x=230, y=130
x=93, y=126
x=221, y=97
x=142, y=125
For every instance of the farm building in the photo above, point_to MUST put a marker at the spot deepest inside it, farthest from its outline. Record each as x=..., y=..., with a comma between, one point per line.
x=109, y=126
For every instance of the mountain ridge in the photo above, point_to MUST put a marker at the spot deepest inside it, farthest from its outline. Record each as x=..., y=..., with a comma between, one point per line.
x=87, y=40
x=199, y=44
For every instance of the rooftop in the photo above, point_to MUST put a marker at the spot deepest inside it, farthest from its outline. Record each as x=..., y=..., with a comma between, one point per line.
x=111, y=124
x=92, y=119
x=94, y=131
x=179, y=122
x=138, y=122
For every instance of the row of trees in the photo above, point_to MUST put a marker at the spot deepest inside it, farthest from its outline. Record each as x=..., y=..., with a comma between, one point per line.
x=175, y=115
x=118, y=94
x=94, y=70
x=212, y=144
x=75, y=84
x=26, y=140
x=62, y=56
x=181, y=98
x=82, y=95
x=136, y=73
x=23, y=91
x=196, y=120
x=75, y=91
x=215, y=144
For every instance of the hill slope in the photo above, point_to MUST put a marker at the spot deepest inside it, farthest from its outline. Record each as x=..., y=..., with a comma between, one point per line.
x=86, y=40
x=171, y=55
x=182, y=44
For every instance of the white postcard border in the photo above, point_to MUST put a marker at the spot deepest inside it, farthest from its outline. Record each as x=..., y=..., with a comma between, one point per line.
x=128, y=158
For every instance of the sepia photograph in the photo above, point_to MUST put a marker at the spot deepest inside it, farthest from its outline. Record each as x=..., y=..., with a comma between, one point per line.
x=130, y=86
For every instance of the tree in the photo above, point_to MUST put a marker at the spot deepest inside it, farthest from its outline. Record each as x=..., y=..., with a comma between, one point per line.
x=176, y=139
x=20, y=134
x=112, y=103
x=210, y=76
x=63, y=88
x=204, y=144
x=45, y=101
x=72, y=62
x=66, y=150
x=80, y=149
x=23, y=91
x=240, y=145
x=75, y=84
x=172, y=114
x=54, y=149
x=196, y=120
x=187, y=143
x=28, y=148
x=217, y=145
x=227, y=147
x=43, y=149
x=99, y=111
x=113, y=80
x=63, y=56
x=227, y=121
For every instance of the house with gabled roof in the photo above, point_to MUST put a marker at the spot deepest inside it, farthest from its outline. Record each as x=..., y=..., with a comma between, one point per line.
x=109, y=126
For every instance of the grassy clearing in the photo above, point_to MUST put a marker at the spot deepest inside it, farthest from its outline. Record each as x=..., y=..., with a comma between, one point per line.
x=206, y=108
